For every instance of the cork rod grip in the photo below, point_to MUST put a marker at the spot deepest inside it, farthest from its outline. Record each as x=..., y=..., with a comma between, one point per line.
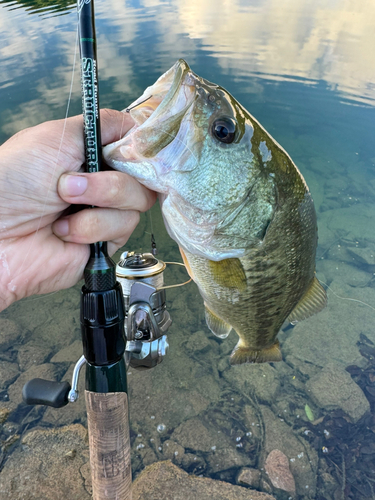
x=109, y=441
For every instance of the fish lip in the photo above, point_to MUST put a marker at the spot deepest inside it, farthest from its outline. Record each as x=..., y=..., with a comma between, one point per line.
x=159, y=96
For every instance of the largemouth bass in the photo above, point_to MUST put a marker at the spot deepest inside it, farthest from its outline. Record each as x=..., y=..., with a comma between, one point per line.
x=235, y=203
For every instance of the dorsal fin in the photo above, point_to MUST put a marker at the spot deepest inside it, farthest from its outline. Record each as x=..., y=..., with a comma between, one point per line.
x=313, y=301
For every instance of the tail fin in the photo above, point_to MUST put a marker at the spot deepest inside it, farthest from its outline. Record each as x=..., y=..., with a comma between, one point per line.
x=242, y=354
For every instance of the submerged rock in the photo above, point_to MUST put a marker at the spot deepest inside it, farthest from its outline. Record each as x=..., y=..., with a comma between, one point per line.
x=249, y=477
x=363, y=256
x=277, y=468
x=332, y=334
x=69, y=354
x=8, y=374
x=165, y=481
x=194, y=435
x=185, y=387
x=33, y=353
x=4, y=413
x=47, y=467
x=10, y=333
x=260, y=379
x=222, y=454
x=334, y=388
x=303, y=460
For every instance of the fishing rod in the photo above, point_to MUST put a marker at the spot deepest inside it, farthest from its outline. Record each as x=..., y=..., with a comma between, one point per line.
x=102, y=311
x=122, y=324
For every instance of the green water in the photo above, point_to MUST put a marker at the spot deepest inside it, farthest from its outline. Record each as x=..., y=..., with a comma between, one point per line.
x=305, y=70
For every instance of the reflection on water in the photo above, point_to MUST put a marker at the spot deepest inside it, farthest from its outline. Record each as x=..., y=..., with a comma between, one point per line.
x=308, y=42
x=41, y=7
x=303, y=68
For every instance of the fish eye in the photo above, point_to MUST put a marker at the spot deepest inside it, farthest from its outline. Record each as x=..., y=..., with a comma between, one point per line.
x=224, y=129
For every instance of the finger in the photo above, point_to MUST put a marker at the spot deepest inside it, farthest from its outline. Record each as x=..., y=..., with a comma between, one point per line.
x=97, y=224
x=106, y=189
x=66, y=136
x=114, y=124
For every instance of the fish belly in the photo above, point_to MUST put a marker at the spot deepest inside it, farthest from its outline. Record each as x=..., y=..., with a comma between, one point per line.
x=255, y=294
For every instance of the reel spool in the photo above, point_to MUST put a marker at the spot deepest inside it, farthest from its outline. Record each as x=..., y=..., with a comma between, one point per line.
x=146, y=316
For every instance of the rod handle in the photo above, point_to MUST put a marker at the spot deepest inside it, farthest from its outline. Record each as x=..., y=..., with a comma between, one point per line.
x=109, y=443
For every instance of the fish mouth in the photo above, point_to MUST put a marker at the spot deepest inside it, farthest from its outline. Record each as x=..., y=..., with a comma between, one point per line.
x=171, y=94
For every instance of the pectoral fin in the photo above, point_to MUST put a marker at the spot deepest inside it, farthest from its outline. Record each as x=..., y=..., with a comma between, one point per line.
x=217, y=326
x=242, y=354
x=186, y=262
x=228, y=273
x=313, y=301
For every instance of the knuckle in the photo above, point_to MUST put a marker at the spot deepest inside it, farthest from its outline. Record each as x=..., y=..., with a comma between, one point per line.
x=113, y=188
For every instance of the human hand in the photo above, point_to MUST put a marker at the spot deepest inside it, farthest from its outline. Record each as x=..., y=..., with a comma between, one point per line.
x=41, y=248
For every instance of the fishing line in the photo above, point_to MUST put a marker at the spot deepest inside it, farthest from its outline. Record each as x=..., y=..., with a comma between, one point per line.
x=122, y=125
x=41, y=297
x=57, y=157
x=127, y=110
x=347, y=298
x=178, y=284
x=182, y=142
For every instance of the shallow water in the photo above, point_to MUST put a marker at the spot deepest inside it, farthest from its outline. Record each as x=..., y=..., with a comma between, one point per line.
x=305, y=70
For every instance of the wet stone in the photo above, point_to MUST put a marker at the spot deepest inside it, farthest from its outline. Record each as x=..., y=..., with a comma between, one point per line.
x=329, y=483
x=49, y=461
x=260, y=379
x=194, y=435
x=69, y=354
x=4, y=413
x=333, y=388
x=220, y=453
x=32, y=354
x=303, y=460
x=342, y=267
x=363, y=256
x=142, y=454
x=277, y=469
x=165, y=481
x=332, y=334
x=173, y=451
x=193, y=463
x=8, y=374
x=227, y=345
x=223, y=364
x=10, y=333
x=199, y=342
x=177, y=389
x=306, y=369
x=227, y=457
x=249, y=477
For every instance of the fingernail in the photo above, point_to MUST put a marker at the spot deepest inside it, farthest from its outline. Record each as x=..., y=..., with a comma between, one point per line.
x=73, y=185
x=61, y=227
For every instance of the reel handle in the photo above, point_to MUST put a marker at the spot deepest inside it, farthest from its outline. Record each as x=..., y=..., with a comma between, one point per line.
x=46, y=392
